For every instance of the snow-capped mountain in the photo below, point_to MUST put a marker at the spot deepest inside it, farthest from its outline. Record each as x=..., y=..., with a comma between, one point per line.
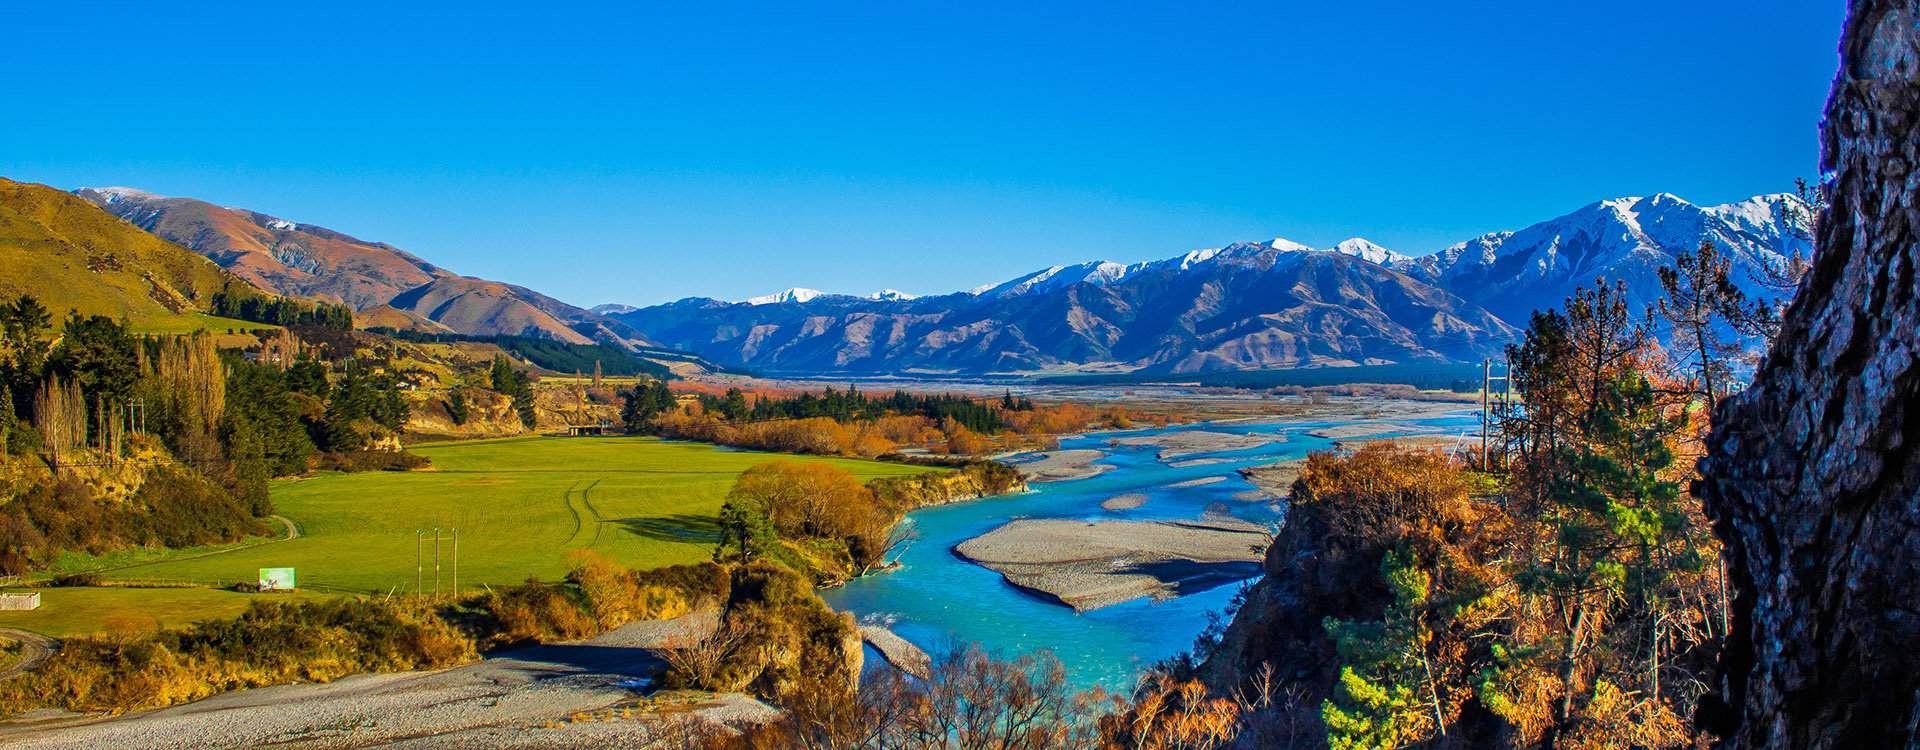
x=611, y=308
x=1364, y=250
x=1625, y=239
x=796, y=294
x=1248, y=305
x=802, y=294
x=1108, y=273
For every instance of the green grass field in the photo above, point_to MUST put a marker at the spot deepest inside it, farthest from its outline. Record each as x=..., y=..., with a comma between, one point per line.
x=65, y=612
x=190, y=322
x=521, y=505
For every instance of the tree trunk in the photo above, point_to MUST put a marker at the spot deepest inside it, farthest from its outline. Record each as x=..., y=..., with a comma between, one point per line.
x=1810, y=476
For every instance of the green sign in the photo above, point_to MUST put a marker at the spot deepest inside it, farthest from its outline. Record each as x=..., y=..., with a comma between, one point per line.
x=276, y=579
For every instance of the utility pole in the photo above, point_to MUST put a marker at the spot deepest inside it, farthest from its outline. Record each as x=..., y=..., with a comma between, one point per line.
x=1486, y=387
x=456, y=563
x=1506, y=412
x=436, y=563
x=419, y=579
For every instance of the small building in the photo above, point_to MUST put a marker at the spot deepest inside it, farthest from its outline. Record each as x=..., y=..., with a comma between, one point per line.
x=591, y=430
x=20, y=601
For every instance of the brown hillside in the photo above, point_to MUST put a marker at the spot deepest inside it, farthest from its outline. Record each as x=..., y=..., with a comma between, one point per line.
x=482, y=308
x=385, y=316
x=297, y=260
x=314, y=262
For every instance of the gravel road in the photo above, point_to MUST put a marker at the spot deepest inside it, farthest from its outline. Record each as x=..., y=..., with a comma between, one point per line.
x=35, y=650
x=525, y=698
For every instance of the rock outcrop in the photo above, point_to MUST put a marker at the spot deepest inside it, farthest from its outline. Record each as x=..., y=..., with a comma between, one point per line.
x=1812, y=477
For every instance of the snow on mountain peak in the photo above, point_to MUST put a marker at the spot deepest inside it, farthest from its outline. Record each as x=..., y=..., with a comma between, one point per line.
x=611, y=308
x=890, y=295
x=796, y=294
x=1288, y=246
x=117, y=194
x=1367, y=251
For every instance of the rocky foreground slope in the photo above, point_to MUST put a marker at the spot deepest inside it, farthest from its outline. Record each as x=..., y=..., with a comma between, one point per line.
x=1813, y=478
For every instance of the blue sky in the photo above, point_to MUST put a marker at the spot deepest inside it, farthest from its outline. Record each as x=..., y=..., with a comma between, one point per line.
x=614, y=153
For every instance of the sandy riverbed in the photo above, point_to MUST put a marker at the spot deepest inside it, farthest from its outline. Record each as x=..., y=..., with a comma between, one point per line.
x=1088, y=565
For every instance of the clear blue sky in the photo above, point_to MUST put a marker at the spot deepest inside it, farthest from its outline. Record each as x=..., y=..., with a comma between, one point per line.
x=602, y=153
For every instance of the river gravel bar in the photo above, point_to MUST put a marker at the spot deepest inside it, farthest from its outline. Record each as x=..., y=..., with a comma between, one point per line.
x=1088, y=565
x=1059, y=466
x=1175, y=445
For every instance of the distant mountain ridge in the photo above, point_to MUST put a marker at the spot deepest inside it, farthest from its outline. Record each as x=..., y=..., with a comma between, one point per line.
x=1246, y=306
x=1249, y=305
x=305, y=260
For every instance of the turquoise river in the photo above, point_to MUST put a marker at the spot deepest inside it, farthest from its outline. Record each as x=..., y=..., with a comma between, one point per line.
x=937, y=600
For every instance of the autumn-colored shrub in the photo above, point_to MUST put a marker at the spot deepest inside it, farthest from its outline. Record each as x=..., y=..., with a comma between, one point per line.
x=271, y=643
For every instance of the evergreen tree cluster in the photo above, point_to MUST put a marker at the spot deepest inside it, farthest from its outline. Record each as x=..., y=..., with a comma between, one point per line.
x=643, y=402
x=513, y=382
x=282, y=311
x=851, y=405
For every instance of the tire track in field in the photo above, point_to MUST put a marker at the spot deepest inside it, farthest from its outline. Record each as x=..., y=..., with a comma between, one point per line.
x=579, y=524
x=599, y=521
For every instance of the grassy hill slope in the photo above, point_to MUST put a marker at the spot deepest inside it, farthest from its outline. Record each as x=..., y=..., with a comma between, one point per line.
x=74, y=256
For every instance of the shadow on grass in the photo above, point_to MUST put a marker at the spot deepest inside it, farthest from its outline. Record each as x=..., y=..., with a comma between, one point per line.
x=680, y=527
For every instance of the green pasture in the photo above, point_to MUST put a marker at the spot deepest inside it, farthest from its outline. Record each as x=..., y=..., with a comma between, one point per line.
x=521, y=506
x=193, y=321
x=68, y=612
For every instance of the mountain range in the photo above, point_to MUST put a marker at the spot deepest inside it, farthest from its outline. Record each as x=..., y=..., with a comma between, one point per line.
x=1250, y=305
x=385, y=285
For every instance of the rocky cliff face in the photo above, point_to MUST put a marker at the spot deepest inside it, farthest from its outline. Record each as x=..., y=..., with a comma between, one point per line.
x=1812, y=478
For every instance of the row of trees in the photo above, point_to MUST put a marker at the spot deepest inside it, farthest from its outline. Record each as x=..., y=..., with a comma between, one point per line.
x=851, y=423
x=282, y=311
x=851, y=405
